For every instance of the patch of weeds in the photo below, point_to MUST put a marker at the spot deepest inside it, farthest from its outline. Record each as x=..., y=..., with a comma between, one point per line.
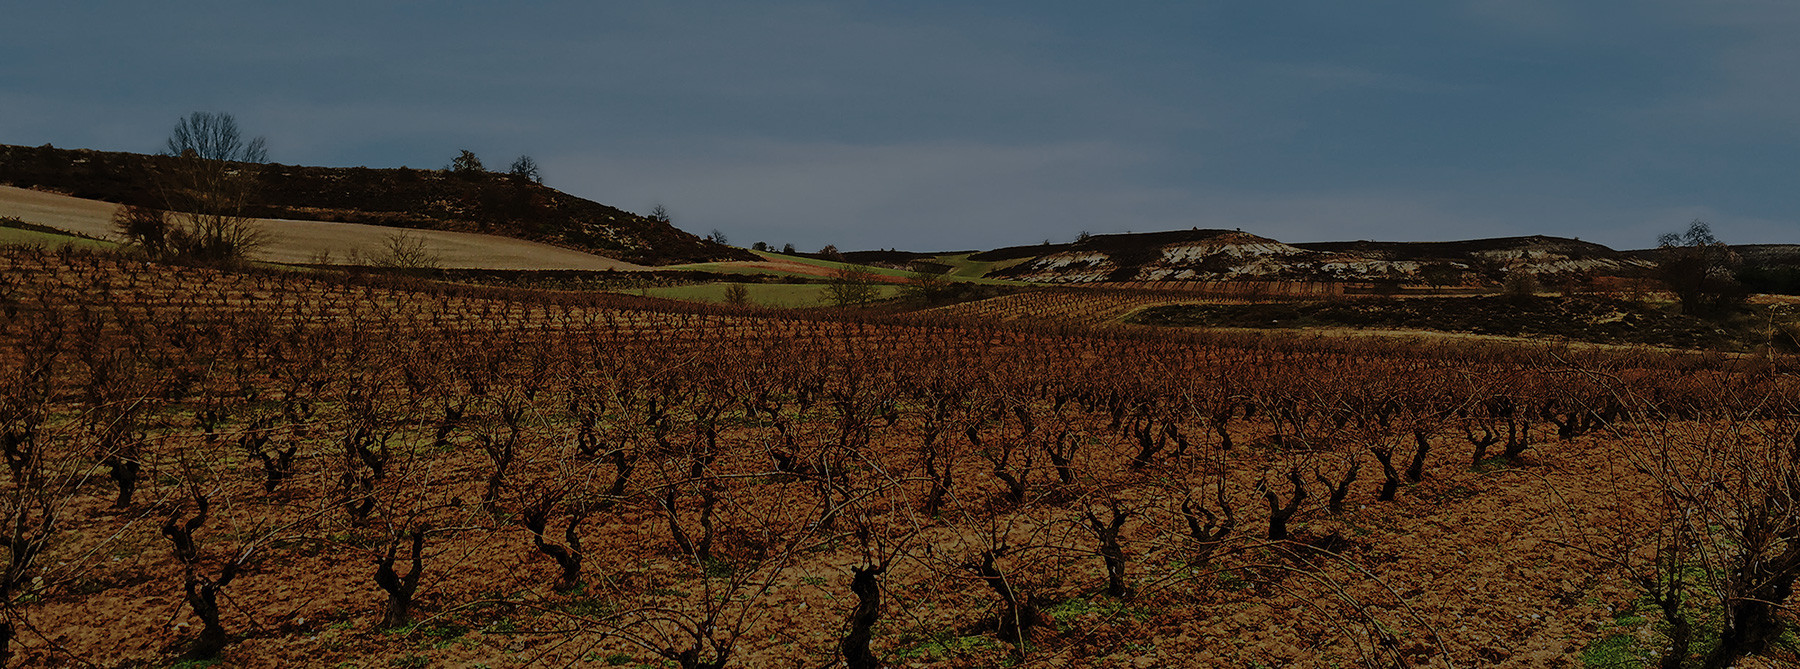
x=716, y=568
x=813, y=580
x=194, y=664
x=1621, y=643
x=351, y=539
x=502, y=626
x=943, y=646
x=1184, y=568
x=1495, y=463
x=439, y=635
x=1064, y=613
x=410, y=662
x=1618, y=646
x=89, y=586
x=1618, y=650
x=667, y=592
x=1231, y=581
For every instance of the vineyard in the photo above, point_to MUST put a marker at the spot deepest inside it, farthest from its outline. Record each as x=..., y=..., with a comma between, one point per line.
x=279, y=469
x=1061, y=306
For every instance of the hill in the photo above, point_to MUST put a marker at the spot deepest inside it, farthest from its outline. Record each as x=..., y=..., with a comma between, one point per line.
x=297, y=242
x=482, y=202
x=1223, y=255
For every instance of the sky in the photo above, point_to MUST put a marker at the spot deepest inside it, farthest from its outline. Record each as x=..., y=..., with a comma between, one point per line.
x=930, y=125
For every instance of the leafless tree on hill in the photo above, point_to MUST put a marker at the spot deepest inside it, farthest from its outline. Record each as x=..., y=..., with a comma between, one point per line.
x=1698, y=268
x=851, y=285
x=526, y=169
x=209, y=187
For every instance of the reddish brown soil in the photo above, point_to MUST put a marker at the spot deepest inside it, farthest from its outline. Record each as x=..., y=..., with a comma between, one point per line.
x=1502, y=565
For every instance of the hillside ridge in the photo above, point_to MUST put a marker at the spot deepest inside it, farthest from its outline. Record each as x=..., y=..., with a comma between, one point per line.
x=484, y=202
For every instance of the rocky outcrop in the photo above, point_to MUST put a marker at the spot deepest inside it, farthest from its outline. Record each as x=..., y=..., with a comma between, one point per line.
x=1225, y=255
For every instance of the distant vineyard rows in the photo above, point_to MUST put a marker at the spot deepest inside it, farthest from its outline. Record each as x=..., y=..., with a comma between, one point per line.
x=649, y=477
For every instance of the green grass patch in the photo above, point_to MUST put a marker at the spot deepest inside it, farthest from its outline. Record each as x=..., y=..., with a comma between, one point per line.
x=727, y=268
x=1065, y=613
x=588, y=607
x=785, y=295
x=13, y=235
x=1618, y=646
x=945, y=646
x=828, y=264
x=194, y=664
x=962, y=267
x=502, y=626
x=610, y=659
x=439, y=635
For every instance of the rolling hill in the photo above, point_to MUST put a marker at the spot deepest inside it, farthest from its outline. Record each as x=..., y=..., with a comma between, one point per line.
x=479, y=203
x=298, y=242
x=1224, y=255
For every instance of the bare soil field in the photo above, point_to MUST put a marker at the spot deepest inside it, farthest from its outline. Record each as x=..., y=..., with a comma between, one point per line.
x=303, y=242
x=272, y=469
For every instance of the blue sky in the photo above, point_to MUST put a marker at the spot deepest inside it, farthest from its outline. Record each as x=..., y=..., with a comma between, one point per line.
x=948, y=125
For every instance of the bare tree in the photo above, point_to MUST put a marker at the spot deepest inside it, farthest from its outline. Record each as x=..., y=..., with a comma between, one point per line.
x=927, y=287
x=209, y=187
x=851, y=285
x=1697, y=267
x=525, y=169
x=408, y=250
